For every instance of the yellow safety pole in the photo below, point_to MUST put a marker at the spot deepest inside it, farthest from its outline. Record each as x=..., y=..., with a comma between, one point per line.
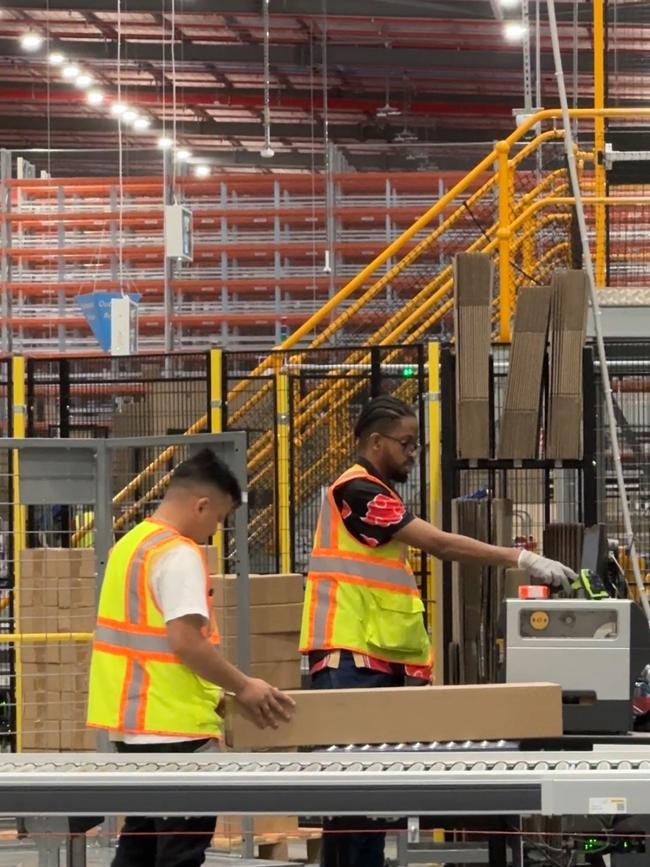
x=283, y=463
x=216, y=426
x=18, y=429
x=599, y=141
x=434, y=590
x=504, y=235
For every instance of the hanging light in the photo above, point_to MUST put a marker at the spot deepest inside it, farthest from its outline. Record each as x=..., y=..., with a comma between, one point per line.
x=202, y=171
x=164, y=142
x=183, y=155
x=31, y=41
x=267, y=152
x=514, y=31
x=56, y=58
x=509, y=4
x=95, y=97
x=141, y=123
x=70, y=71
x=119, y=108
x=129, y=115
x=83, y=80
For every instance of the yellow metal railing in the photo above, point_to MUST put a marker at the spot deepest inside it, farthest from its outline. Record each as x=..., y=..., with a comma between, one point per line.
x=519, y=215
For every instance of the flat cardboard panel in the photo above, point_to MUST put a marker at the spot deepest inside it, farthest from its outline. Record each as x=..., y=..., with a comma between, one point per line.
x=473, y=293
x=568, y=323
x=519, y=428
x=405, y=715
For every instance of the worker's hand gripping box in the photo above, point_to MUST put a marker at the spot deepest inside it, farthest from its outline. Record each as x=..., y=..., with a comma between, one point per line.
x=405, y=715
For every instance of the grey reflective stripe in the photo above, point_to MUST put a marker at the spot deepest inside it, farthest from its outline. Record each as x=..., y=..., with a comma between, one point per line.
x=380, y=571
x=134, y=695
x=325, y=522
x=133, y=640
x=137, y=561
x=322, y=611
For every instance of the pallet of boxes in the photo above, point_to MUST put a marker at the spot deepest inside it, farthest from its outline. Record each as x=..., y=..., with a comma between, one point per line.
x=275, y=612
x=56, y=597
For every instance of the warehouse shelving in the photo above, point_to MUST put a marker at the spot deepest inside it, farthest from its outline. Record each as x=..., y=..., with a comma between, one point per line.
x=260, y=245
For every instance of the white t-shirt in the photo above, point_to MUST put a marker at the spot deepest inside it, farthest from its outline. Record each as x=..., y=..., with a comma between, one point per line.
x=177, y=582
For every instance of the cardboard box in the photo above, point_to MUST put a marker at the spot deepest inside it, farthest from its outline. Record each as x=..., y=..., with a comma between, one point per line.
x=263, y=590
x=264, y=620
x=281, y=647
x=231, y=826
x=406, y=715
x=284, y=675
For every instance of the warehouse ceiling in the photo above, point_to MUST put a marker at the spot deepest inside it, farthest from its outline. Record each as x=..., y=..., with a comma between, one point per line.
x=444, y=69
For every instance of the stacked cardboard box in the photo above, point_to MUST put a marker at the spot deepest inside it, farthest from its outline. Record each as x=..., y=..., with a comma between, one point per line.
x=275, y=613
x=57, y=595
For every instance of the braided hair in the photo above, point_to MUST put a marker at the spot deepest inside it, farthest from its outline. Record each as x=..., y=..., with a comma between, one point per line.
x=379, y=414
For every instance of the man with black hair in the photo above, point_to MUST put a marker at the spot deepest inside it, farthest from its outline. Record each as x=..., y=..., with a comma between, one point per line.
x=156, y=672
x=362, y=619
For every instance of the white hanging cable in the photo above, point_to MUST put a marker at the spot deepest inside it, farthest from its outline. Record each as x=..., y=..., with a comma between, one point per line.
x=312, y=160
x=173, y=59
x=120, y=158
x=267, y=151
x=595, y=308
x=327, y=264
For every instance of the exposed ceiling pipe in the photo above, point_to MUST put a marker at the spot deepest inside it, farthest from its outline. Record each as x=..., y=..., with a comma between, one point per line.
x=206, y=98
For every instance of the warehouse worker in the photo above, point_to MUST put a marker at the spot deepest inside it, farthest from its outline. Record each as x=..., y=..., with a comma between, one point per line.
x=363, y=620
x=156, y=669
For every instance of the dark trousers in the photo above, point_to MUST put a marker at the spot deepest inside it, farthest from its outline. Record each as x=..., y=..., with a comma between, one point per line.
x=341, y=847
x=152, y=841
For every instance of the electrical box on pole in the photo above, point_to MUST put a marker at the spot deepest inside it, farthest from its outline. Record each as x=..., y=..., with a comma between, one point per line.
x=178, y=233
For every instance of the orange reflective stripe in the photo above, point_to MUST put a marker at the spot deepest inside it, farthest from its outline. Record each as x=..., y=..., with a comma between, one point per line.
x=136, y=629
x=129, y=653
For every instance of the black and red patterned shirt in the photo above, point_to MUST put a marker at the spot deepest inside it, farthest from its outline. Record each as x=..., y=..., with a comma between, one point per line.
x=369, y=512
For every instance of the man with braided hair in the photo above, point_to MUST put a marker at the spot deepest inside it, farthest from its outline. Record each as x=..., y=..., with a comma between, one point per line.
x=363, y=622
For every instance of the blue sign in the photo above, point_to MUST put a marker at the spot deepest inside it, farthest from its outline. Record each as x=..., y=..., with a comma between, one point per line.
x=96, y=307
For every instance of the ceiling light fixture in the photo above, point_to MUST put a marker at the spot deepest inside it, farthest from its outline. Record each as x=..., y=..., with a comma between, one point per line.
x=202, y=171
x=129, y=115
x=56, y=58
x=164, y=142
x=31, y=41
x=141, y=124
x=183, y=155
x=509, y=4
x=83, y=80
x=118, y=108
x=267, y=152
x=95, y=97
x=70, y=71
x=514, y=31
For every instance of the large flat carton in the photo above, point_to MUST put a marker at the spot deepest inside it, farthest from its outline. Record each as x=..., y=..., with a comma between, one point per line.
x=405, y=715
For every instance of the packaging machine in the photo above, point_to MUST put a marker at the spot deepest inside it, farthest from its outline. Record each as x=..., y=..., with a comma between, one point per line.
x=409, y=782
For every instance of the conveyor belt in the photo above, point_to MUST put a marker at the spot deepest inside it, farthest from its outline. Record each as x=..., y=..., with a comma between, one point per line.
x=400, y=783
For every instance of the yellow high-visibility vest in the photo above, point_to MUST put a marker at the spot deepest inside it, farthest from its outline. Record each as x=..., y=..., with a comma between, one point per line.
x=137, y=684
x=361, y=598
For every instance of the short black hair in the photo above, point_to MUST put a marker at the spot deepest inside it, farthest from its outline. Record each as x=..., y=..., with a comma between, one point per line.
x=206, y=468
x=380, y=413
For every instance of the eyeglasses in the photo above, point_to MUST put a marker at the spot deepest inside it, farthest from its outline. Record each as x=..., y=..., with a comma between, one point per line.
x=408, y=445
